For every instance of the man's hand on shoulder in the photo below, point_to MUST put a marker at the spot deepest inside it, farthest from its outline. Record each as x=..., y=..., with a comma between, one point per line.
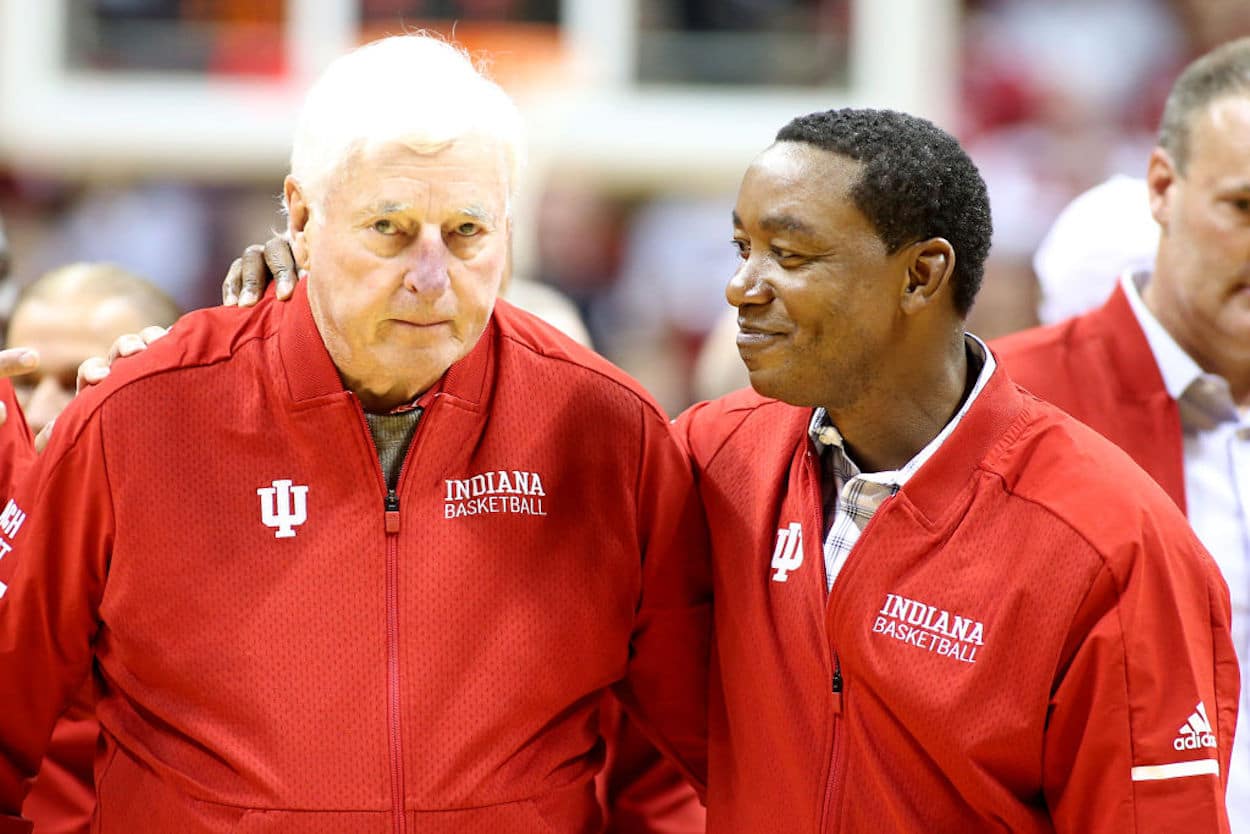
x=95, y=369
x=250, y=273
x=15, y=362
x=244, y=285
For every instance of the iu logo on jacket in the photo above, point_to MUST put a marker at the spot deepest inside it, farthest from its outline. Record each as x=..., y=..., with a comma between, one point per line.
x=283, y=507
x=788, y=554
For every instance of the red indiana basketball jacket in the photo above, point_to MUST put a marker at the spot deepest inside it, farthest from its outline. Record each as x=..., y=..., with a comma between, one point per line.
x=281, y=645
x=1026, y=638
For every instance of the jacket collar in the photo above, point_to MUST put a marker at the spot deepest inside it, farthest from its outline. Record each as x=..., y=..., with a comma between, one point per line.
x=311, y=374
x=825, y=434
x=1136, y=369
x=1177, y=369
x=935, y=487
x=954, y=464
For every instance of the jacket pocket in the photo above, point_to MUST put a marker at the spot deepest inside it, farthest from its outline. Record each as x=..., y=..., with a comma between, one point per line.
x=258, y=821
x=130, y=799
x=569, y=810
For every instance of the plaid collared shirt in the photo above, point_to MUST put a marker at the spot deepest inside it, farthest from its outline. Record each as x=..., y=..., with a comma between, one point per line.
x=852, y=497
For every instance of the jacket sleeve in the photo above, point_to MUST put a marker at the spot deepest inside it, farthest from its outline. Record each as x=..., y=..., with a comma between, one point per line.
x=57, y=534
x=641, y=791
x=1141, y=717
x=665, y=688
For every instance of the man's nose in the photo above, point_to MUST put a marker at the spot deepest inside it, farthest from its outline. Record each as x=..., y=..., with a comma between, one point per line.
x=426, y=272
x=748, y=285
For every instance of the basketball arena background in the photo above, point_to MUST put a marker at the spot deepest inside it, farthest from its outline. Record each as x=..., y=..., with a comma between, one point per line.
x=153, y=133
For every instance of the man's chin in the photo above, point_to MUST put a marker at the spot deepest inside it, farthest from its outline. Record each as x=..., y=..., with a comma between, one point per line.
x=766, y=383
x=777, y=385
x=414, y=362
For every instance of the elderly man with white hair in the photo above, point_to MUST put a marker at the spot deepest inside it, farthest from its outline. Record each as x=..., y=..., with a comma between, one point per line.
x=369, y=560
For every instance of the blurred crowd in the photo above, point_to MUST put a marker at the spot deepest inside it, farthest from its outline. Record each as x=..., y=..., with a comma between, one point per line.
x=1056, y=97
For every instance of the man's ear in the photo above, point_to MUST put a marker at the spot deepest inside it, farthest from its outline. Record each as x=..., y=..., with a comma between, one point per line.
x=506, y=280
x=1161, y=176
x=930, y=265
x=298, y=220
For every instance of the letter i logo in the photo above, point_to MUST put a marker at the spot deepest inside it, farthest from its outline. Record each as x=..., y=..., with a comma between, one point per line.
x=283, y=506
x=788, y=554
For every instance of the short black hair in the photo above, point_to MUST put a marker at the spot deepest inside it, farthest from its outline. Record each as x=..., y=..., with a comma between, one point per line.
x=1221, y=72
x=917, y=183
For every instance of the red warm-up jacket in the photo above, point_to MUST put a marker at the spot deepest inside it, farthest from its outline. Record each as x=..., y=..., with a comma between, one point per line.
x=1026, y=638
x=281, y=645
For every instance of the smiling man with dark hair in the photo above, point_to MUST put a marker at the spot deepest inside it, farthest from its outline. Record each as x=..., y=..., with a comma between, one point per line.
x=941, y=605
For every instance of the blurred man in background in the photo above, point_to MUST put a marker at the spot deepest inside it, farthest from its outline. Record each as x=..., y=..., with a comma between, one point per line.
x=1163, y=367
x=71, y=314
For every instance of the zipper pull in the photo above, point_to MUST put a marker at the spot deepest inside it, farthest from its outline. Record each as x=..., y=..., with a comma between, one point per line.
x=837, y=687
x=392, y=512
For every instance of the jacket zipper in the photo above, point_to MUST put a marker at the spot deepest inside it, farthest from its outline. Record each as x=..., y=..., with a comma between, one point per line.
x=390, y=515
x=836, y=682
x=392, y=661
x=838, y=752
x=835, y=755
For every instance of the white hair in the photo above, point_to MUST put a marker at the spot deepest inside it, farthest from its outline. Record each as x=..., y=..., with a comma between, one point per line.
x=415, y=89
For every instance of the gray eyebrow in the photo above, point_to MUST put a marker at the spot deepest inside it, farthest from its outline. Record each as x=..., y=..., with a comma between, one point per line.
x=391, y=207
x=479, y=213
x=387, y=207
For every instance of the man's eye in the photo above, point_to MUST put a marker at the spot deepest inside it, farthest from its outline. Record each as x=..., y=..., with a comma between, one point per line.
x=468, y=229
x=744, y=248
x=385, y=227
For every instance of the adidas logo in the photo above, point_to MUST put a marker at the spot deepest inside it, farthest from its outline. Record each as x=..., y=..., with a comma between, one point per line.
x=1196, y=732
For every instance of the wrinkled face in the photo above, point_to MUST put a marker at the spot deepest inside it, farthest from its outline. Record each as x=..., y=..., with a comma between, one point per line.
x=1201, y=289
x=405, y=255
x=66, y=333
x=816, y=291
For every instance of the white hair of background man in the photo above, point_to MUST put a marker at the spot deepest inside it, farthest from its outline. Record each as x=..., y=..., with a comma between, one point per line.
x=1100, y=234
x=414, y=89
